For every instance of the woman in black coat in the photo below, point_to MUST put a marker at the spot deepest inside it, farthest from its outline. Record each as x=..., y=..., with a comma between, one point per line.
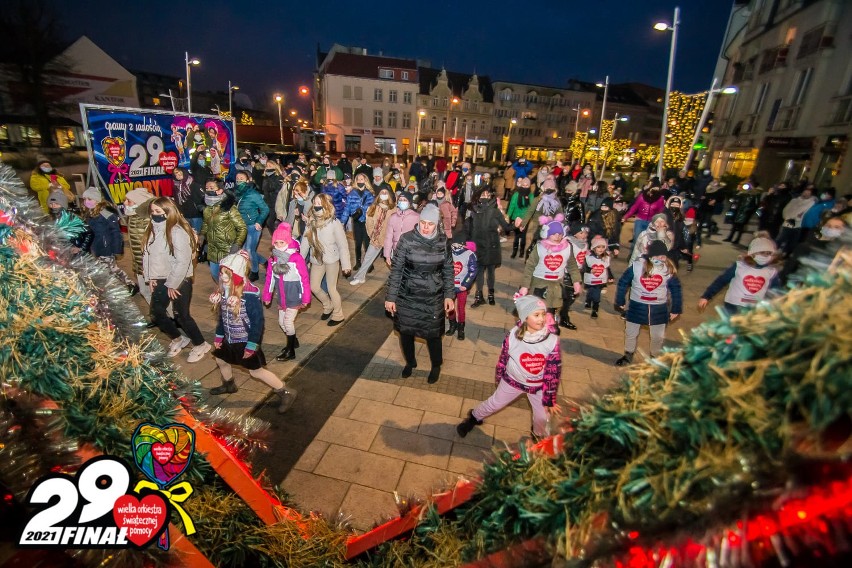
x=421, y=289
x=482, y=229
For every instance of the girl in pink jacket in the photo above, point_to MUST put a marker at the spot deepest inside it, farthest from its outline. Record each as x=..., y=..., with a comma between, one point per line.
x=404, y=220
x=645, y=206
x=287, y=272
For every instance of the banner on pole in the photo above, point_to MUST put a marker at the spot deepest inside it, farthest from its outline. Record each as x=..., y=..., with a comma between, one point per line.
x=134, y=147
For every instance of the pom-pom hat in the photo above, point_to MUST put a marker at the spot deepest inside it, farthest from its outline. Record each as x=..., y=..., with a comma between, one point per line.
x=527, y=305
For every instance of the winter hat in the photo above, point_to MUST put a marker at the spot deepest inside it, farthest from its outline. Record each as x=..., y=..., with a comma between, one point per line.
x=236, y=263
x=761, y=244
x=41, y=160
x=347, y=176
x=578, y=227
x=599, y=241
x=93, y=193
x=377, y=172
x=138, y=195
x=551, y=226
x=412, y=178
x=548, y=183
x=571, y=186
x=58, y=196
x=690, y=214
x=525, y=305
x=405, y=195
x=659, y=216
x=283, y=233
x=656, y=248
x=607, y=202
x=329, y=174
x=673, y=200
x=430, y=213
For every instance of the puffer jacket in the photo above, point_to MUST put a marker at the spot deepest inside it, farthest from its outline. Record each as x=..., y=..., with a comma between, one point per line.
x=270, y=188
x=421, y=278
x=339, y=199
x=358, y=199
x=136, y=225
x=482, y=230
x=107, y=233
x=223, y=228
x=251, y=205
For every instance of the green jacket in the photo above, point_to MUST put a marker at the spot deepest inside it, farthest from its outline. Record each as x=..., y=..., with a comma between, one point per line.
x=136, y=225
x=515, y=210
x=319, y=177
x=224, y=228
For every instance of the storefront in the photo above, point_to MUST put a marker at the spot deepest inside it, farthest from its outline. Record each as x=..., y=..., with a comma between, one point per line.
x=738, y=158
x=785, y=158
x=539, y=154
x=831, y=162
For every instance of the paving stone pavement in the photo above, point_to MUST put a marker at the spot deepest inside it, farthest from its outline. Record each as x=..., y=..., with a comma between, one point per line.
x=391, y=435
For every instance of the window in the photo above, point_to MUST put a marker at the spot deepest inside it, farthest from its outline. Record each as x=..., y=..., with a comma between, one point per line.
x=803, y=81
x=464, y=124
x=529, y=115
x=378, y=118
x=352, y=143
x=347, y=91
x=759, y=97
x=391, y=96
x=347, y=116
x=405, y=75
x=406, y=120
x=385, y=73
x=359, y=95
x=434, y=101
x=495, y=130
x=406, y=97
x=377, y=95
x=482, y=127
x=392, y=119
x=358, y=117
x=473, y=126
x=444, y=102
x=434, y=125
x=386, y=145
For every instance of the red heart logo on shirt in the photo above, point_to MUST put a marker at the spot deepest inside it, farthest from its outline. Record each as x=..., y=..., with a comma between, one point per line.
x=457, y=268
x=598, y=269
x=581, y=256
x=532, y=363
x=552, y=261
x=754, y=283
x=651, y=283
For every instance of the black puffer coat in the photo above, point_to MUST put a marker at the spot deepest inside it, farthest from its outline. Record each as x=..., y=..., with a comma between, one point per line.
x=482, y=230
x=421, y=278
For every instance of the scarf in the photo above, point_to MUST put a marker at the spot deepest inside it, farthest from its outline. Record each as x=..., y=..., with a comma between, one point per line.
x=317, y=249
x=549, y=204
x=282, y=261
x=535, y=336
x=381, y=212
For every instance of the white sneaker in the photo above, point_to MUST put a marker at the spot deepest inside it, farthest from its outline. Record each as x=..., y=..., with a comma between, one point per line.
x=356, y=281
x=177, y=345
x=197, y=353
x=503, y=239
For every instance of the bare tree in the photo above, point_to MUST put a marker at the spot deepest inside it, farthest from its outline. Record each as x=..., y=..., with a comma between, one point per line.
x=31, y=49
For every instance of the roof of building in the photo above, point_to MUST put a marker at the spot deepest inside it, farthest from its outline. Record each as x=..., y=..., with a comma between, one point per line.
x=623, y=93
x=458, y=82
x=366, y=66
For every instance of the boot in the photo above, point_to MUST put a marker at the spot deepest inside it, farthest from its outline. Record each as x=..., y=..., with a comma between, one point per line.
x=469, y=423
x=461, y=331
x=434, y=373
x=408, y=369
x=595, y=307
x=452, y=329
x=514, y=251
x=565, y=321
x=588, y=304
x=289, y=352
x=295, y=342
x=478, y=300
x=253, y=276
x=491, y=301
x=286, y=396
x=625, y=360
x=229, y=387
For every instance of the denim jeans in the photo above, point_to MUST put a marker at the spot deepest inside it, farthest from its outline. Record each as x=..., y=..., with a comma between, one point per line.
x=214, y=270
x=638, y=226
x=195, y=223
x=252, y=240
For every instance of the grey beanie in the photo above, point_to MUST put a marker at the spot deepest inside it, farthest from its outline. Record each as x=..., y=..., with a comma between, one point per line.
x=93, y=193
x=377, y=172
x=430, y=213
x=527, y=305
x=58, y=196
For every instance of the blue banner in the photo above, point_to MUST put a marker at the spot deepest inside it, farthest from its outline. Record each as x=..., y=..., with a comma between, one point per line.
x=141, y=148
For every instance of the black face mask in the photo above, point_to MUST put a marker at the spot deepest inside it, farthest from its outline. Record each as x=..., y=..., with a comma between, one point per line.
x=158, y=218
x=484, y=199
x=318, y=209
x=213, y=193
x=360, y=185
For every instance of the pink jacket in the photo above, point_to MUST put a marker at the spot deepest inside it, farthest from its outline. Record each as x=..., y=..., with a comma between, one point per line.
x=644, y=210
x=448, y=216
x=400, y=223
x=289, y=284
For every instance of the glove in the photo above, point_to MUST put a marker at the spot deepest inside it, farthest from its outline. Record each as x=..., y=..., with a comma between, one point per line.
x=217, y=343
x=358, y=213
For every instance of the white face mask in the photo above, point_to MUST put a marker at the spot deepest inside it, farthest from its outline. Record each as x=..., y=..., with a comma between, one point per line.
x=688, y=221
x=657, y=262
x=383, y=197
x=403, y=205
x=830, y=233
x=762, y=259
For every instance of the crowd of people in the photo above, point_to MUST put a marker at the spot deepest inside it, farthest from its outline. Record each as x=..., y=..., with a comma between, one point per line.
x=440, y=229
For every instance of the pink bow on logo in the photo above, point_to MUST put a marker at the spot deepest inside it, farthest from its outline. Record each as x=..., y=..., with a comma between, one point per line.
x=120, y=171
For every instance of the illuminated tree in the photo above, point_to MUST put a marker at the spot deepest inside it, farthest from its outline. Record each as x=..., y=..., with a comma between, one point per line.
x=684, y=114
x=246, y=119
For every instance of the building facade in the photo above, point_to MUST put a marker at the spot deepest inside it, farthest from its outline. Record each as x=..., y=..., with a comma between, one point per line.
x=792, y=116
x=455, y=114
x=366, y=103
x=540, y=122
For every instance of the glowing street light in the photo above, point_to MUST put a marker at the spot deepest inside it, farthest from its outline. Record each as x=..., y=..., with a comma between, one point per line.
x=189, y=62
x=605, y=86
x=512, y=123
x=616, y=120
x=704, y=114
x=663, y=27
x=231, y=89
x=279, y=99
x=453, y=101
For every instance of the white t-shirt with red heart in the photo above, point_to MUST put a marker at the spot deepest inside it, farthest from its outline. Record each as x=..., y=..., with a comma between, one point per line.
x=650, y=289
x=460, y=265
x=597, y=270
x=581, y=249
x=551, y=264
x=750, y=284
x=526, y=360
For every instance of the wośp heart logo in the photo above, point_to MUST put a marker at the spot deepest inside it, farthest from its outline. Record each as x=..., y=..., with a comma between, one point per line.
x=96, y=507
x=552, y=261
x=754, y=283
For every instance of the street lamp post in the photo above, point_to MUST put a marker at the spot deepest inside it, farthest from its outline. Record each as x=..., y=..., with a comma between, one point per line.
x=189, y=62
x=452, y=101
x=616, y=120
x=605, y=86
x=231, y=89
x=704, y=113
x=579, y=110
x=279, y=99
x=512, y=123
x=662, y=26
x=420, y=115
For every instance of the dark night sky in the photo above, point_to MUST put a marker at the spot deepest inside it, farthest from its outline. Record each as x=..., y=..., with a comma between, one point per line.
x=270, y=46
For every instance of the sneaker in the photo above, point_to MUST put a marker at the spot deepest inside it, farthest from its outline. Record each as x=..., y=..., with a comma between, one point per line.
x=177, y=345
x=356, y=281
x=503, y=239
x=197, y=353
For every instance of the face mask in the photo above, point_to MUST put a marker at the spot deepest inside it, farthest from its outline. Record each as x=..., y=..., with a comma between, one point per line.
x=657, y=262
x=268, y=172
x=830, y=233
x=243, y=160
x=825, y=197
x=484, y=199
x=465, y=170
x=56, y=211
x=46, y=169
x=383, y=197
x=158, y=218
x=263, y=161
x=688, y=222
x=361, y=185
x=202, y=162
x=396, y=176
x=403, y=205
x=762, y=259
x=198, y=137
x=241, y=185
x=318, y=209
x=90, y=203
x=213, y=198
